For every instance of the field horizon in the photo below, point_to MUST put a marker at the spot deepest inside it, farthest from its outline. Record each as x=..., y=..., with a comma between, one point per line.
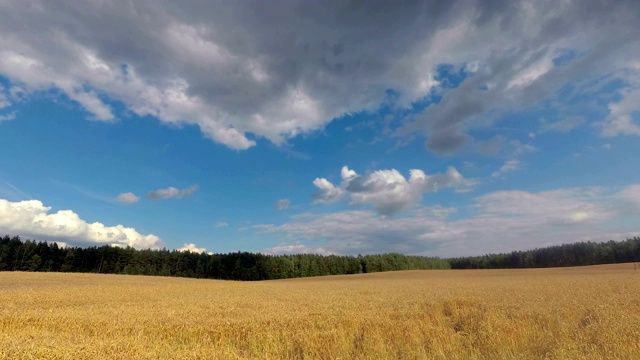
x=588, y=312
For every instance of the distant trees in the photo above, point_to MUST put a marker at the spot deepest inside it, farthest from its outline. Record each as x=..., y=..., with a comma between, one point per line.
x=18, y=255
x=576, y=254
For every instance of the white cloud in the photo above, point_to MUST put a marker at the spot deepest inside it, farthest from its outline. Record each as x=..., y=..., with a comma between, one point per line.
x=499, y=222
x=328, y=192
x=127, y=198
x=194, y=249
x=32, y=219
x=510, y=165
x=283, y=204
x=623, y=116
x=90, y=101
x=621, y=125
x=172, y=193
x=219, y=67
x=388, y=191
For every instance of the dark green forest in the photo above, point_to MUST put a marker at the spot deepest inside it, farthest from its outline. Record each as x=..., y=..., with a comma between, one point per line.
x=576, y=254
x=28, y=255
x=19, y=255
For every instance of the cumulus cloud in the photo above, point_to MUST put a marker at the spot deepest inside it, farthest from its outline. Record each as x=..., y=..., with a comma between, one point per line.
x=218, y=65
x=172, y=193
x=388, y=191
x=127, y=198
x=33, y=219
x=328, y=193
x=194, y=249
x=497, y=222
x=283, y=204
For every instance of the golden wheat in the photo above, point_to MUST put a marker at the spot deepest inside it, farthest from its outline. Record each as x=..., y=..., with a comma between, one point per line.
x=571, y=313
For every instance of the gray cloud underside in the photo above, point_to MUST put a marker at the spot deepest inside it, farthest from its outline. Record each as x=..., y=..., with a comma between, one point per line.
x=278, y=69
x=517, y=68
x=499, y=223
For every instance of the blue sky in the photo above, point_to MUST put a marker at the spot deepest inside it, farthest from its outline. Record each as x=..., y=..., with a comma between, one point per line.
x=327, y=127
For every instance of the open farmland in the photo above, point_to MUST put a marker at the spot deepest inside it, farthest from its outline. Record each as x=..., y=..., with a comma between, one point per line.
x=568, y=313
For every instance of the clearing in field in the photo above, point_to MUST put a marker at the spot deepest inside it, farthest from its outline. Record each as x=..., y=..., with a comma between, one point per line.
x=569, y=313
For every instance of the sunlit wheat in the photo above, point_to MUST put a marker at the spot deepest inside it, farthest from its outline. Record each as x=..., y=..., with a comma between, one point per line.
x=569, y=313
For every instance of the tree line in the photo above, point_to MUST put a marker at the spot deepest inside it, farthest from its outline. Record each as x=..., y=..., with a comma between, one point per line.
x=576, y=254
x=29, y=255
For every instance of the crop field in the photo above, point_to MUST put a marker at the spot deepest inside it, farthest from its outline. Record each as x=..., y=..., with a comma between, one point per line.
x=568, y=313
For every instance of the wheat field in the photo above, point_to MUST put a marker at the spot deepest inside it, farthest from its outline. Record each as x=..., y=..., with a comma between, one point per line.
x=569, y=313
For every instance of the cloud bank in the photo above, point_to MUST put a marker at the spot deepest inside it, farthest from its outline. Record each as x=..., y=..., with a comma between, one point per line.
x=501, y=221
x=220, y=66
x=32, y=219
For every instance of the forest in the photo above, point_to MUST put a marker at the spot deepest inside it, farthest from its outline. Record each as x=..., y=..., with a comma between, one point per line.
x=576, y=254
x=29, y=255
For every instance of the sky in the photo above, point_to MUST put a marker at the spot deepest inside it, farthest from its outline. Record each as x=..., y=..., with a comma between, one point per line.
x=438, y=128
